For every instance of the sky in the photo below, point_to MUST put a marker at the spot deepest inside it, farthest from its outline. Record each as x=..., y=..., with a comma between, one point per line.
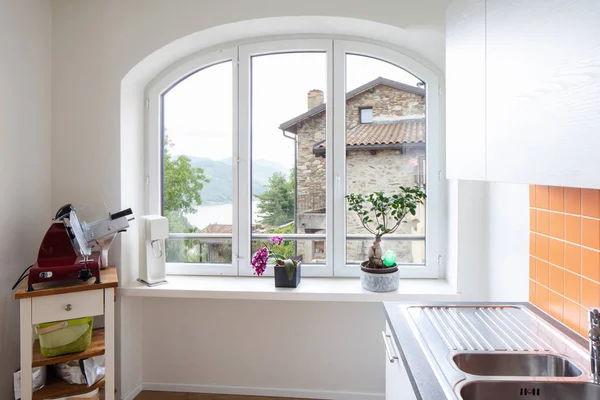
x=198, y=111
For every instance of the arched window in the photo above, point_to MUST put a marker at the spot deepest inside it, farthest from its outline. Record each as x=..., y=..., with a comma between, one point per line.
x=267, y=138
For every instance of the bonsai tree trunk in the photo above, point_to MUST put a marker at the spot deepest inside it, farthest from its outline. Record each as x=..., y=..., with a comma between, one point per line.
x=375, y=254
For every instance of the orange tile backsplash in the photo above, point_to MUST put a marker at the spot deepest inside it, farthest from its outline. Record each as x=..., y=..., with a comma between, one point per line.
x=564, y=262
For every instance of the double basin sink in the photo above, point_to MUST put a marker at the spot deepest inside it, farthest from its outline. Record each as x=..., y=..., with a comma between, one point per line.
x=501, y=353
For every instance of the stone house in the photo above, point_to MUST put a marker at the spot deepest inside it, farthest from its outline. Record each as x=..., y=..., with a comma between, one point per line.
x=385, y=148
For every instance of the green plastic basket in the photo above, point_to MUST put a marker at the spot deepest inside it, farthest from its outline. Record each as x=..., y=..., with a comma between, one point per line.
x=71, y=336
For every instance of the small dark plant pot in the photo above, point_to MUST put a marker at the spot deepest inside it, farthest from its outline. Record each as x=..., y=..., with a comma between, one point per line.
x=281, y=278
x=379, y=279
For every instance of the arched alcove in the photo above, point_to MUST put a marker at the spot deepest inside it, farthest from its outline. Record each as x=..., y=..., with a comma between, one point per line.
x=422, y=44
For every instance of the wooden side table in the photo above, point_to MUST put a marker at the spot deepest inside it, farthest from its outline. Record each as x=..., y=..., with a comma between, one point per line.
x=54, y=302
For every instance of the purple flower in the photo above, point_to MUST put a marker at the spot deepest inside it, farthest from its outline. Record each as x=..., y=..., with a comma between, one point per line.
x=277, y=239
x=260, y=260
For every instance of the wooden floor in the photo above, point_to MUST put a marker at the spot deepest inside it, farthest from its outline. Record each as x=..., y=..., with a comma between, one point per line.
x=147, y=395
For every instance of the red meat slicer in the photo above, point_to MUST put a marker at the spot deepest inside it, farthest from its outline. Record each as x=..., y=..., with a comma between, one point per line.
x=58, y=258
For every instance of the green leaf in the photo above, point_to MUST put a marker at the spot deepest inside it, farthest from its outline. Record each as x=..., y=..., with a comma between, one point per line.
x=289, y=266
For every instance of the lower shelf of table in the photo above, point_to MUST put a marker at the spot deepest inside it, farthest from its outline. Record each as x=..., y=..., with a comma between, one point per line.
x=95, y=349
x=56, y=387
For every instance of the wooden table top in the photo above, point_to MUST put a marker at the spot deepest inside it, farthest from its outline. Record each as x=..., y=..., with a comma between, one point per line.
x=108, y=276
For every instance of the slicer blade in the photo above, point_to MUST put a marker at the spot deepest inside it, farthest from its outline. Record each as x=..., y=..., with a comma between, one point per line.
x=84, y=248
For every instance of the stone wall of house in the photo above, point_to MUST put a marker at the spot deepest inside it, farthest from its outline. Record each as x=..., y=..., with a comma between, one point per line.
x=367, y=171
x=310, y=173
x=384, y=171
x=388, y=104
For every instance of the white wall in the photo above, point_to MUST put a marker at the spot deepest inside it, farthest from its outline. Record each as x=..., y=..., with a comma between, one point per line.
x=489, y=240
x=24, y=158
x=508, y=241
x=298, y=349
x=103, y=56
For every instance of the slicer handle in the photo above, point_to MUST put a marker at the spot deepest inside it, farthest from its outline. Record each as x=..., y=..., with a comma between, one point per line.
x=120, y=214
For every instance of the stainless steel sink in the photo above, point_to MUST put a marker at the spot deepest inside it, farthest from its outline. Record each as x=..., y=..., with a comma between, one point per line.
x=494, y=364
x=518, y=390
x=500, y=352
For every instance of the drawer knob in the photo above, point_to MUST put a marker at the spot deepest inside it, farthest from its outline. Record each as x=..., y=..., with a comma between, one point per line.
x=68, y=307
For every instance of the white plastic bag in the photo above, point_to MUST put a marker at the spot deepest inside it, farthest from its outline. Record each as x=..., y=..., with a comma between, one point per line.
x=88, y=371
x=38, y=380
x=71, y=372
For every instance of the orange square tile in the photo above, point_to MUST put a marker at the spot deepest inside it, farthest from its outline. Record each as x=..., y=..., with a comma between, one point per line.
x=573, y=257
x=571, y=315
x=543, y=222
x=542, y=297
x=532, y=243
x=573, y=229
x=557, y=279
x=590, y=264
x=532, y=268
x=541, y=197
x=557, y=225
x=590, y=203
x=573, y=200
x=590, y=233
x=573, y=287
x=532, y=219
x=557, y=252
x=531, y=195
x=557, y=198
x=590, y=293
x=543, y=273
x=532, y=286
x=541, y=247
x=583, y=323
x=555, y=304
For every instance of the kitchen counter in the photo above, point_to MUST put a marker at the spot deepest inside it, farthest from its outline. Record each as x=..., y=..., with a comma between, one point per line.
x=420, y=372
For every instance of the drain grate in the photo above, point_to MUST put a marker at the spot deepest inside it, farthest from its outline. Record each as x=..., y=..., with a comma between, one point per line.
x=483, y=329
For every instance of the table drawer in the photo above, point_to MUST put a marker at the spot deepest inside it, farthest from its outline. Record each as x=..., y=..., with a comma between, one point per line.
x=60, y=307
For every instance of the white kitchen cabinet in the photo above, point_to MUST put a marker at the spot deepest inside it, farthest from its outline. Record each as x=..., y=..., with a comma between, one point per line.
x=465, y=90
x=397, y=384
x=541, y=92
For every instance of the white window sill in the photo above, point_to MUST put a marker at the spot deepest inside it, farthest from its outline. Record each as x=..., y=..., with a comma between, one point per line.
x=310, y=289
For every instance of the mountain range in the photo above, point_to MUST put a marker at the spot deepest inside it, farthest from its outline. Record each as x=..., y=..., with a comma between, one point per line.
x=219, y=189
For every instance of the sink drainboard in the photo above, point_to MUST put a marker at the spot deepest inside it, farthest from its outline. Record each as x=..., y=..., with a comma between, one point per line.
x=484, y=329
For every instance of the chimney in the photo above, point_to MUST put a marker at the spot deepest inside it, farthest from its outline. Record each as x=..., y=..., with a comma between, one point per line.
x=315, y=98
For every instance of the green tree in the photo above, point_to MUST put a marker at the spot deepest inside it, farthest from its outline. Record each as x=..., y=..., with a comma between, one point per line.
x=182, y=183
x=182, y=186
x=276, y=204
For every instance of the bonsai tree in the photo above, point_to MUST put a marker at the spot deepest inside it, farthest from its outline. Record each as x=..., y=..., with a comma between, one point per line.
x=381, y=215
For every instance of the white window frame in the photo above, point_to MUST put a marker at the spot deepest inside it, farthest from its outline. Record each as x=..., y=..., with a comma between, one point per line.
x=433, y=156
x=157, y=89
x=335, y=245
x=245, y=123
x=361, y=118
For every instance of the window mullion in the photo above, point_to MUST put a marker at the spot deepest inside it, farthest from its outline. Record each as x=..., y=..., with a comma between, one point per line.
x=235, y=234
x=243, y=162
x=338, y=162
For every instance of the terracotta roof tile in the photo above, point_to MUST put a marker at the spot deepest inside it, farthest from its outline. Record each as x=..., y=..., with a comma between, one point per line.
x=388, y=133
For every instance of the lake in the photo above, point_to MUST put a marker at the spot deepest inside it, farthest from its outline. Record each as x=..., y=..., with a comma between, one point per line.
x=217, y=214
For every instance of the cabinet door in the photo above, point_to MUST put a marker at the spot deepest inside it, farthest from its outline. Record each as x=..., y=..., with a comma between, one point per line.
x=543, y=91
x=465, y=90
x=397, y=384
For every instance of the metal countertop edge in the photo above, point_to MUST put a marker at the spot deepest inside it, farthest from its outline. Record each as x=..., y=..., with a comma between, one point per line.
x=422, y=378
